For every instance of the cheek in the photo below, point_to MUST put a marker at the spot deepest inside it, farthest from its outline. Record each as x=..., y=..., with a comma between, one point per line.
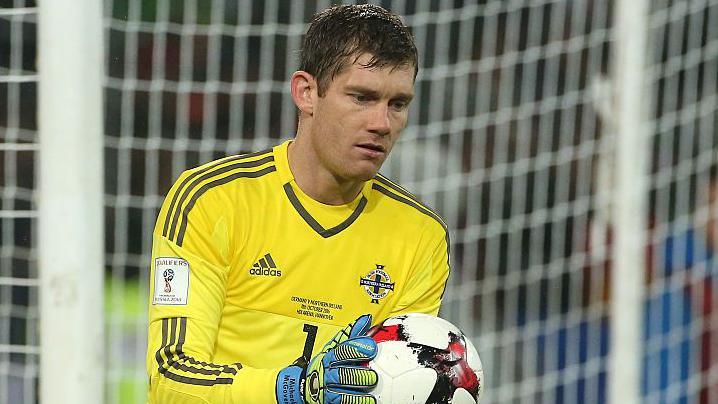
x=399, y=121
x=334, y=120
x=328, y=138
x=332, y=132
x=398, y=125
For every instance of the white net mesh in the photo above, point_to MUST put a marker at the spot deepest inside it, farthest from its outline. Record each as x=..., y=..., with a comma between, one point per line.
x=681, y=330
x=510, y=140
x=19, y=339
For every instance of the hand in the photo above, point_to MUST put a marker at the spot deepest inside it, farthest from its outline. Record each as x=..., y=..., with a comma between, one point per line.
x=335, y=375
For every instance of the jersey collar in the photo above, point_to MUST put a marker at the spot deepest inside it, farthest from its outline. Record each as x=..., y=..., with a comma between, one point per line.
x=288, y=184
x=285, y=173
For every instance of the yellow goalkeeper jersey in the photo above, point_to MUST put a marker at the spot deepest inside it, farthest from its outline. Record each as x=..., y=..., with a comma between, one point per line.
x=249, y=273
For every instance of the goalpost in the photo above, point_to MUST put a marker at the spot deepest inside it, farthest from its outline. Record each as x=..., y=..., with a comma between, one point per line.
x=70, y=201
x=629, y=199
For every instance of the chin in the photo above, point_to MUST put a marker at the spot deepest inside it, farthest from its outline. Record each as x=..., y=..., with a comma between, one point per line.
x=360, y=176
x=360, y=171
x=363, y=175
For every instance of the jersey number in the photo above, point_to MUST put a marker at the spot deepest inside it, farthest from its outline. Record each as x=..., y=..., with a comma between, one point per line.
x=311, y=331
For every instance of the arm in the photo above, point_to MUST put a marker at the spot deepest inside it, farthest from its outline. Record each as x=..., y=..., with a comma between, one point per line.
x=181, y=343
x=188, y=285
x=429, y=274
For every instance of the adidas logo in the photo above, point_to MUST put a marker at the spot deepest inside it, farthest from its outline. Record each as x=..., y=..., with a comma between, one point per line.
x=265, y=267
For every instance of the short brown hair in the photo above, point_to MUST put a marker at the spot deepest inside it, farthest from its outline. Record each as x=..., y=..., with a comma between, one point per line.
x=338, y=35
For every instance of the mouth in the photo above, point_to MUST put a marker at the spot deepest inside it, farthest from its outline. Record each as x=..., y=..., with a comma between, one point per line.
x=372, y=147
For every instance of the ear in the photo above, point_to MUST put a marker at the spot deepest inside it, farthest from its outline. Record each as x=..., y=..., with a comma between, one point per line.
x=304, y=89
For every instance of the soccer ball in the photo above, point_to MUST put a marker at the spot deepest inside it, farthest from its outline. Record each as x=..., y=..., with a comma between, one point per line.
x=424, y=359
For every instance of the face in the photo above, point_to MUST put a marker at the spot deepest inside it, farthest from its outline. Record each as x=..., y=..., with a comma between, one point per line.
x=359, y=118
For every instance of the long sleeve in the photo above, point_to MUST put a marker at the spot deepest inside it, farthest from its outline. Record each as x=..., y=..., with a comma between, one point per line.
x=190, y=255
x=429, y=275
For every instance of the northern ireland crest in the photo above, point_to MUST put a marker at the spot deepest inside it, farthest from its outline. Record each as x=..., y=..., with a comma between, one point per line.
x=377, y=283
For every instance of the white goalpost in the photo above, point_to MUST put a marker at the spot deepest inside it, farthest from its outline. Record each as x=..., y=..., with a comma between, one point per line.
x=629, y=199
x=70, y=201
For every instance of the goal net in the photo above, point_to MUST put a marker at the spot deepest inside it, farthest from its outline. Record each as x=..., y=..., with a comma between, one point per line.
x=19, y=316
x=511, y=138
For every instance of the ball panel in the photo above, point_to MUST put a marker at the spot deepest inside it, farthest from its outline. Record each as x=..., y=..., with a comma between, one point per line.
x=413, y=387
x=384, y=386
x=462, y=396
x=394, y=358
x=428, y=330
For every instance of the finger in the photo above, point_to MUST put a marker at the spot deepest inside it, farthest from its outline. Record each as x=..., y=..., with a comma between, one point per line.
x=354, y=350
x=361, y=326
x=343, y=334
x=342, y=396
x=350, y=377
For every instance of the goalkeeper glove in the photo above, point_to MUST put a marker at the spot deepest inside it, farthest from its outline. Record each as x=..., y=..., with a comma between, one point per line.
x=335, y=375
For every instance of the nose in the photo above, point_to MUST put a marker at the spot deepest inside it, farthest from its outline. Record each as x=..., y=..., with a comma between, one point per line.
x=379, y=120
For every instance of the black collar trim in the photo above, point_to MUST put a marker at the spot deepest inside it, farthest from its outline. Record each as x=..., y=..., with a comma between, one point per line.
x=326, y=233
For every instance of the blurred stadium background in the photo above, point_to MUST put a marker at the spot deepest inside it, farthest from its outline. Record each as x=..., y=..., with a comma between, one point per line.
x=512, y=138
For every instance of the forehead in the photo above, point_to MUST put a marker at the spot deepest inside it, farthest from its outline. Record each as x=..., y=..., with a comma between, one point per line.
x=390, y=79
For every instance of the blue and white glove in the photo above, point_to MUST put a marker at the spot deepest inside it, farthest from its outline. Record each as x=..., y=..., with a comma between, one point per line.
x=335, y=375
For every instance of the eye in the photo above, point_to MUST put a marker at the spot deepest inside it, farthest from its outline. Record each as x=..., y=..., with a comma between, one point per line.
x=399, y=105
x=359, y=98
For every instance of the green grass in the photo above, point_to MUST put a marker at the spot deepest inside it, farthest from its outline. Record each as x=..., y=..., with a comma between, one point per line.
x=126, y=308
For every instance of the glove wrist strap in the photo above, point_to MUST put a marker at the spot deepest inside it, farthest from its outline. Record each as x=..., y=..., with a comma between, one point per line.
x=290, y=381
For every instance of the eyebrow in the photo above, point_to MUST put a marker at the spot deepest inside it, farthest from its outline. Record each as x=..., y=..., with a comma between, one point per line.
x=375, y=94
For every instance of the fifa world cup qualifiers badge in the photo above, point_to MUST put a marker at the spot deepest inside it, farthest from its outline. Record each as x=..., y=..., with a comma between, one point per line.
x=171, y=281
x=377, y=283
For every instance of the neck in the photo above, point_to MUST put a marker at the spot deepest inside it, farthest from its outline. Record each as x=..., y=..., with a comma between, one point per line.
x=317, y=181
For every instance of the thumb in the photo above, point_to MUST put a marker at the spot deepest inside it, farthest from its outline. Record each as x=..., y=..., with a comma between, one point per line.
x=361, y=326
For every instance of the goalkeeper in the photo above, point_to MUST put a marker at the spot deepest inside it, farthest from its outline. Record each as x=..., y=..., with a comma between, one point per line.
x=269, y=267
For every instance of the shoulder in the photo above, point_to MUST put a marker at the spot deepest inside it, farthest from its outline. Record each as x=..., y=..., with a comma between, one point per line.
x=218, y=178
x=237, y=166
x=216, y=174
x=406, y=205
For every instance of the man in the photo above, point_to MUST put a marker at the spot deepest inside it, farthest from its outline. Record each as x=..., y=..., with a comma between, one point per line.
x=256, y=257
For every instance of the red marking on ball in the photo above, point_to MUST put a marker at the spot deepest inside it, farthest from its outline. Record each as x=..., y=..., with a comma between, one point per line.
x=385, y=333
